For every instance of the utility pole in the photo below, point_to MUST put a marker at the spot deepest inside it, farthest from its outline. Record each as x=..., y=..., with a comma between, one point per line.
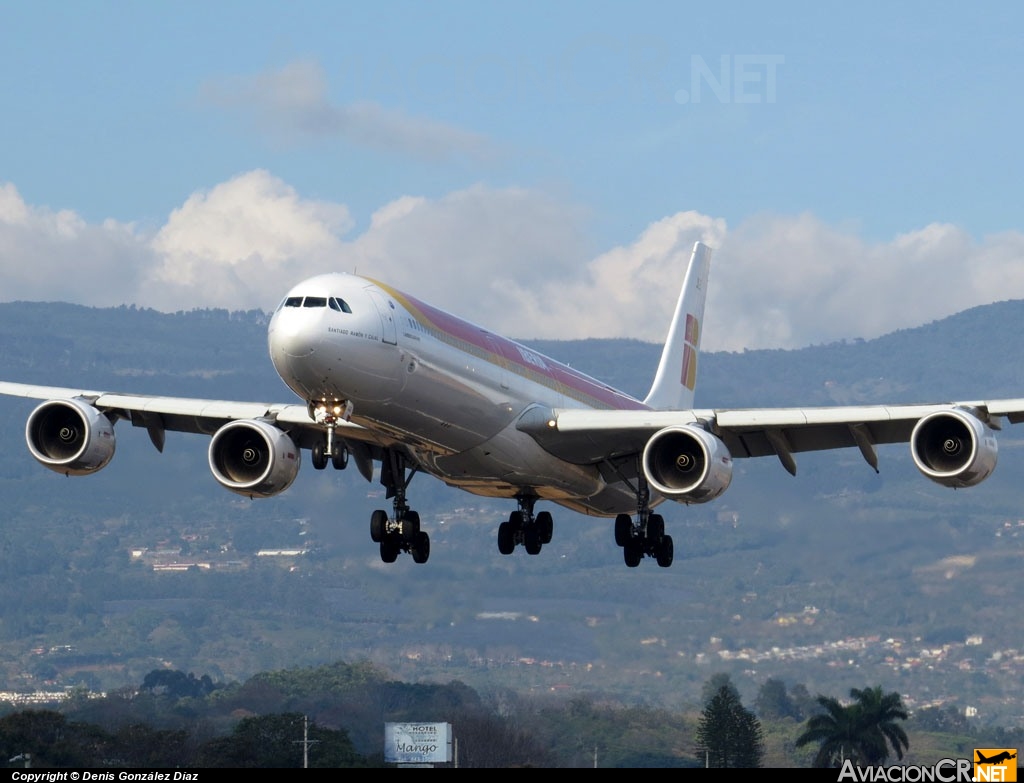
x=305, y=742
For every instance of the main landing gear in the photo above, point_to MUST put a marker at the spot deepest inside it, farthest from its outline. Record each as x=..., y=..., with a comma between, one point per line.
x=402, y=532
x=645, y=535
x=525, y=528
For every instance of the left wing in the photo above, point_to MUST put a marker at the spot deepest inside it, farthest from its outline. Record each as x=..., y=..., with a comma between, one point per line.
x=952, y=443
x=72, y=432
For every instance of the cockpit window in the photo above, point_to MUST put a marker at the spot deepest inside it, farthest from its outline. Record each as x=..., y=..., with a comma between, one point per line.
x=334, y=302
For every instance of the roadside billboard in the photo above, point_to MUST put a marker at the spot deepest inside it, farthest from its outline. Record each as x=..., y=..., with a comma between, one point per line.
x=417, y=743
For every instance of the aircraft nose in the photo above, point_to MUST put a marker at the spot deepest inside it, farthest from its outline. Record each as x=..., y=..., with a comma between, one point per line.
x=291, y=337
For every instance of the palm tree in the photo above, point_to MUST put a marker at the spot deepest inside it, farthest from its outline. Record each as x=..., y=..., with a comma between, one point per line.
x=838, y=731
x=861, y=731
x=880, y=712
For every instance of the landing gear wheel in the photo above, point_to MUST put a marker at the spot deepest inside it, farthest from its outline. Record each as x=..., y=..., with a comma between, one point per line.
x=340, y=457
x=655, y=528
x=665, y=552
x=546, y=526
x=389, y=548
x=420, y=548
x=378, y=525
x=632, y=554
x=319, y=455
x=623, y=529
x=506, y=538
x=531, y=540
x=410, y=526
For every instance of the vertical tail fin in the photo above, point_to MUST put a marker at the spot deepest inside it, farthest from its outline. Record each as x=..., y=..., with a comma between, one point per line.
x=676, y=378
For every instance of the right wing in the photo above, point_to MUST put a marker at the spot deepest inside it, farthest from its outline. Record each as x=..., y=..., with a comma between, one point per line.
x=951, y=443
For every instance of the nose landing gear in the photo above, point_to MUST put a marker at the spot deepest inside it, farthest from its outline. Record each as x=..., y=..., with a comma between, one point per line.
x=330, y=449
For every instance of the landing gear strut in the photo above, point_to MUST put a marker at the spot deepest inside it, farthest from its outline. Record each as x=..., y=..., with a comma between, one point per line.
x=524, y=528
x=646, y=534
x=402, y=532
x=330, y=449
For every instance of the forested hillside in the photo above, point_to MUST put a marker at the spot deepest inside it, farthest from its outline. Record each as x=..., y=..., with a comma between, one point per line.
x=834, y=578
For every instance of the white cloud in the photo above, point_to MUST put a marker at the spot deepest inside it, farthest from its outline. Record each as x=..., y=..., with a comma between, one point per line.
x=57, y=256
x=233, y=246
x=513, y=260
x=474, y=251
x=293, y=103
x=785, y=281
x=626, y=292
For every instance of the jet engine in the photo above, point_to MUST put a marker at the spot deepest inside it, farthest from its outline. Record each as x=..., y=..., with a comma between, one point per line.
x=70, y=436
x=954, y=448
x=253, y=458
x=687, y=463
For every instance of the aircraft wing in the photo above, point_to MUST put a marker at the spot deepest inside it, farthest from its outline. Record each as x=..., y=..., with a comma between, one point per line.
x=182, y=414
x=591, y=436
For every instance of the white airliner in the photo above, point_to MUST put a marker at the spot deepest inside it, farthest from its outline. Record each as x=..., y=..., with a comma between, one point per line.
x=387, y=378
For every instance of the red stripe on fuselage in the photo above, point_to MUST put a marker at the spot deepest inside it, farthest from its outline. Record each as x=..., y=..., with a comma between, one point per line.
x=513, y=356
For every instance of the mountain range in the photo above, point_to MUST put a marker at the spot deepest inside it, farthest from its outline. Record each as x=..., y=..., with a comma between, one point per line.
x=836, y=578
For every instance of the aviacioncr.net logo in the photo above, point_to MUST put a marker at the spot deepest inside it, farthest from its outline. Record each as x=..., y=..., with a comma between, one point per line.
x=945, y=771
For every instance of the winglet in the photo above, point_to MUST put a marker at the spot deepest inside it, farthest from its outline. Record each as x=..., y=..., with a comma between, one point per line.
x=676, y=378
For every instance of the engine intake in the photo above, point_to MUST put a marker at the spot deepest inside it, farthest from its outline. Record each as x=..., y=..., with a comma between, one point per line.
x=954, y=448
x=70, y=437
x=253, y=458
x=687, y=463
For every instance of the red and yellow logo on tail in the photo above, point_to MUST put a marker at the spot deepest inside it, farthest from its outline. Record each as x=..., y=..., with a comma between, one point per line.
x=689, y=374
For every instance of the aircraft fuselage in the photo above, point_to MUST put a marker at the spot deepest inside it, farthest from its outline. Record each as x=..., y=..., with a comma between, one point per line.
x=449, y=389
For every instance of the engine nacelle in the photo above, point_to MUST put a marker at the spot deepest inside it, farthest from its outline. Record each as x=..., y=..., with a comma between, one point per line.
x=687, y=463
x=70, y=437
x=254, y=458
x=954, y=448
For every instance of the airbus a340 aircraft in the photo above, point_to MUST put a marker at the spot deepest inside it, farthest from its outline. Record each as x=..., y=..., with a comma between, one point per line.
x=384, y=377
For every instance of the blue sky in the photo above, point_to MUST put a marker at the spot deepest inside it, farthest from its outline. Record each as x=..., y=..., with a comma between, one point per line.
x=542, y=169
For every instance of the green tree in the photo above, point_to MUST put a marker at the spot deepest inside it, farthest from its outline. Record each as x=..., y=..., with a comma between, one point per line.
x=714, y=684
x=947, y=719
x=50, y=740
x=276, y=741
x=773, y=703
x=882, y=711
x=728, y=734
x=838, y=731
x=176, y=684
x=803, y=702
x=862, y=731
